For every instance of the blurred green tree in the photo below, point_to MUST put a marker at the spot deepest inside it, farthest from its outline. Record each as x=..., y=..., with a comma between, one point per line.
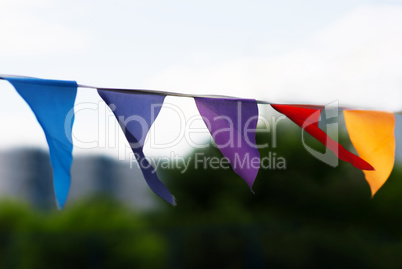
x=307, y=215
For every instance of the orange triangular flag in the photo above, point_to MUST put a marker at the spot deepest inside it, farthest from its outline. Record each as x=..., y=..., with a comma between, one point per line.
x=372, y=134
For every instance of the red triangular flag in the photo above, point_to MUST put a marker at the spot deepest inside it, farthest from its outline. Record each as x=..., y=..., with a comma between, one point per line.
x=307, y=119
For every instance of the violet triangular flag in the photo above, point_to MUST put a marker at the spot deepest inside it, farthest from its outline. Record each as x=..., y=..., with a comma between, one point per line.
x=52, y=101
x=135, y=113
x=232, y=124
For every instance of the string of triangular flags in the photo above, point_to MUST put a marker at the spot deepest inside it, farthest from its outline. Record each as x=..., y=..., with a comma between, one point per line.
x=371, y=132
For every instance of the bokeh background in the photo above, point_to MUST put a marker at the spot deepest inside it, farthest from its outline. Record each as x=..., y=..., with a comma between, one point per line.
x=307, y=215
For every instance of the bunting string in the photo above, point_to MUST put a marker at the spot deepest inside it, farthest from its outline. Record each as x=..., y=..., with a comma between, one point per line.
x=371, y=132
x=177, y=94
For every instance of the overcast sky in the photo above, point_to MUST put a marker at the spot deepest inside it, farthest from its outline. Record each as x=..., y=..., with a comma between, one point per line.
x=279, y=51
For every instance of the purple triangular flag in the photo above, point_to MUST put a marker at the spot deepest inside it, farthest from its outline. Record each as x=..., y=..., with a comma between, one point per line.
x=232, y=124
x=135, y=113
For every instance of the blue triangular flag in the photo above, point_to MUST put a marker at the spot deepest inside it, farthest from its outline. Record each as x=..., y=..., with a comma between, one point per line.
x=51, y=101
x=135, y=113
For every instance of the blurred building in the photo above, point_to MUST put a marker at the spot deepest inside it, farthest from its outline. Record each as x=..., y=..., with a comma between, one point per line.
x=26, y=174
x=398, y=137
